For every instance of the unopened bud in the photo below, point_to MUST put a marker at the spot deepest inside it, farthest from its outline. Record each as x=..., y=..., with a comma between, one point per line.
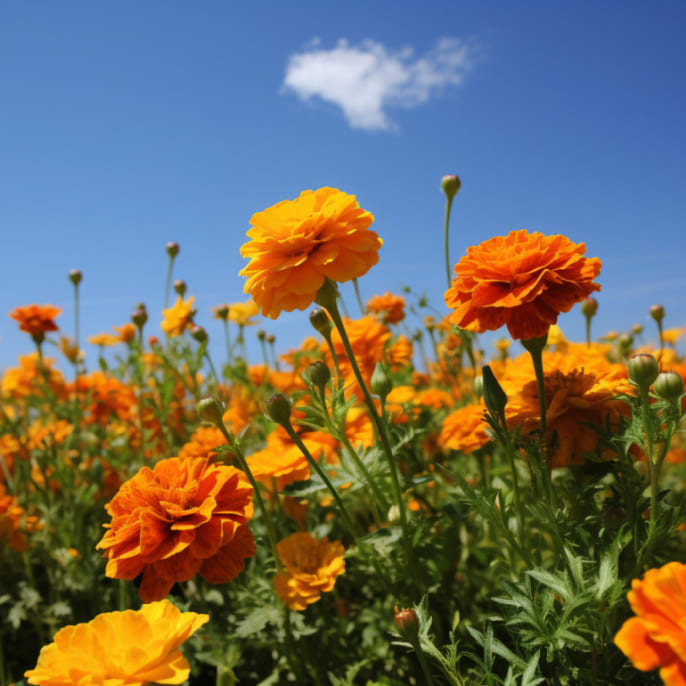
x=180, y=287
x=669, y=385
x=75, y=276
x=222, y=312
x=381, y=384
x=199, y=334
x=141, y=306
x=450, y=185
x=637, y=329
x=320, y=321
x=139, y=317
x=407, y=624
x=494, y=396
x=589, y=307
x=478, y=386
x=261, y=335
x=657, y=312
x=624, y=343
x=271, y=338
x=210, y=410
x=643, y=369
x=279, y=409
x=172, y=249
x=318, y=374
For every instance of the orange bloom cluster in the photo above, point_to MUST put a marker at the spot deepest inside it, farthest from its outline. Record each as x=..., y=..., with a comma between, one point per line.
x=522, y=281
x=30, y=378
x=105, y=397
x=129, y=648
x=657, y=635
x=297, y=244
x=36, y=319
x=123, y=334
x=580, y=388
x=388, y=307
x=11, y=515
x=311, y=568
x=185, y=516
x=464, y=429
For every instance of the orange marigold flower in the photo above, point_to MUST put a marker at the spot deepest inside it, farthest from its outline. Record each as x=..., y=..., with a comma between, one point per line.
x=311, y=567
x=656, y=636
x=36, y=319
x=178, y=317
x=464, y=429
x=399, y=354
x=390, y=308
x=522, y=280
x=11, y=515
x=129, y=648
x=243, y=313
x=580, y=389
x=203, y=443
x=297, y=244
x=185, y=516
x=30, y=376
x=43, y=435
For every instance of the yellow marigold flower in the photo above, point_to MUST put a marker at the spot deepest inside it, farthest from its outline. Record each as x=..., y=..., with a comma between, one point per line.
x=311, y=567
x=130, y=648
x=656, y=636
x=69, y=349
x=297, y=244
x=178, y=317
x=46, y=435
x=243, y=313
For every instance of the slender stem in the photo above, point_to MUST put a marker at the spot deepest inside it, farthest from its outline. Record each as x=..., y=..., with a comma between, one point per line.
x=334, y=356
x=167, y=285
x=448, y=206
x=227, y=338
x=77, y=404
x=588, y=331
x=212, y=368
x=357, y=295
x=424, y=665
x=662, y=338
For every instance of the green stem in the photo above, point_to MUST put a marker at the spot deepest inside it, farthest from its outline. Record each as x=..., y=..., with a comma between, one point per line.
x=588, y=331
x=357, y=295
x=448, y=206
x=167, y=286
x=424, y=664
x=227, y=338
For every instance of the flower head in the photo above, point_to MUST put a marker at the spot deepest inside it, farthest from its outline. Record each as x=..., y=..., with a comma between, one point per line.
x=311, y=567
x=656, y=636
x=178, y=317
x=522, y=280
x=243, y=313
x=297, y=244
x=388, y=307
x=129, y=648
x=185, y=516
x=36, y=319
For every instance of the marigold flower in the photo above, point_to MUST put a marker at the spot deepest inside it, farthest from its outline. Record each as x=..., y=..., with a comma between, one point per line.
x=11, y=515
x=129, y=648
x=465, y=429
x=311, y=567
x=390, y=308
x=297, y=244
x=183, y=517
x=36, y=319
x=522, y=280
x=178, y=317
x=30, y=377
x=656, y=636
x=243, y=313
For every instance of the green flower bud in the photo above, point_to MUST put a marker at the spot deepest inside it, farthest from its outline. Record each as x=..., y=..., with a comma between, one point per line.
x=199, y=334
x=381, y=384
x=180, y=287
x=318, y=374
x=624, y=343
x=669, y=385
x=657, y=312
x=75, y=276
x=450, y=185
x=494, y=396
x=320, y=321
x=271, y=338
x=261, y=335
x=279, y=409
x=589, y=307
x=139, y=317
x=407, y=624
x=172, y=249
x=210, y=410
x=643, y=369
x=637, y=329
x=478, y=386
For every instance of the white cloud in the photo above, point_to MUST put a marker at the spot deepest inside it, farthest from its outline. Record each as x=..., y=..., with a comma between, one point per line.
x=367, y=79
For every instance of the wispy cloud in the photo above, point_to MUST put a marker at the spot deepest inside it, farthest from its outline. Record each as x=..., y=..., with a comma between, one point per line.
x=366, y=79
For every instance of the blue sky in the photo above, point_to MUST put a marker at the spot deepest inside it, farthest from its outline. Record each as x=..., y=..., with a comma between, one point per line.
x=126, y=125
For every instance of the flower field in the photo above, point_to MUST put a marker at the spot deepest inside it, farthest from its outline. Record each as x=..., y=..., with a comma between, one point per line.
x=384, y=505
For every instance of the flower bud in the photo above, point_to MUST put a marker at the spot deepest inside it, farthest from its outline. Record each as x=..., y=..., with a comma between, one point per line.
x=589, y=307
x=320, y=321
x=624, y=343
x=669, y=385
x=637, y=329
x=210, y=410
x=139, y=317
x=494, y=396
x=172, y=249
x=75, y=276
x=318, y=374
x=657, y=312
x=261, y=335
x=450, y=185
x=381, y=384
x=222, y=312
x=180, y=287
x=199, y=334
x=643, y=369
x=478, y=386
x=407, y=624
x=141, y=306
x=271, y=338
x=279, y=409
